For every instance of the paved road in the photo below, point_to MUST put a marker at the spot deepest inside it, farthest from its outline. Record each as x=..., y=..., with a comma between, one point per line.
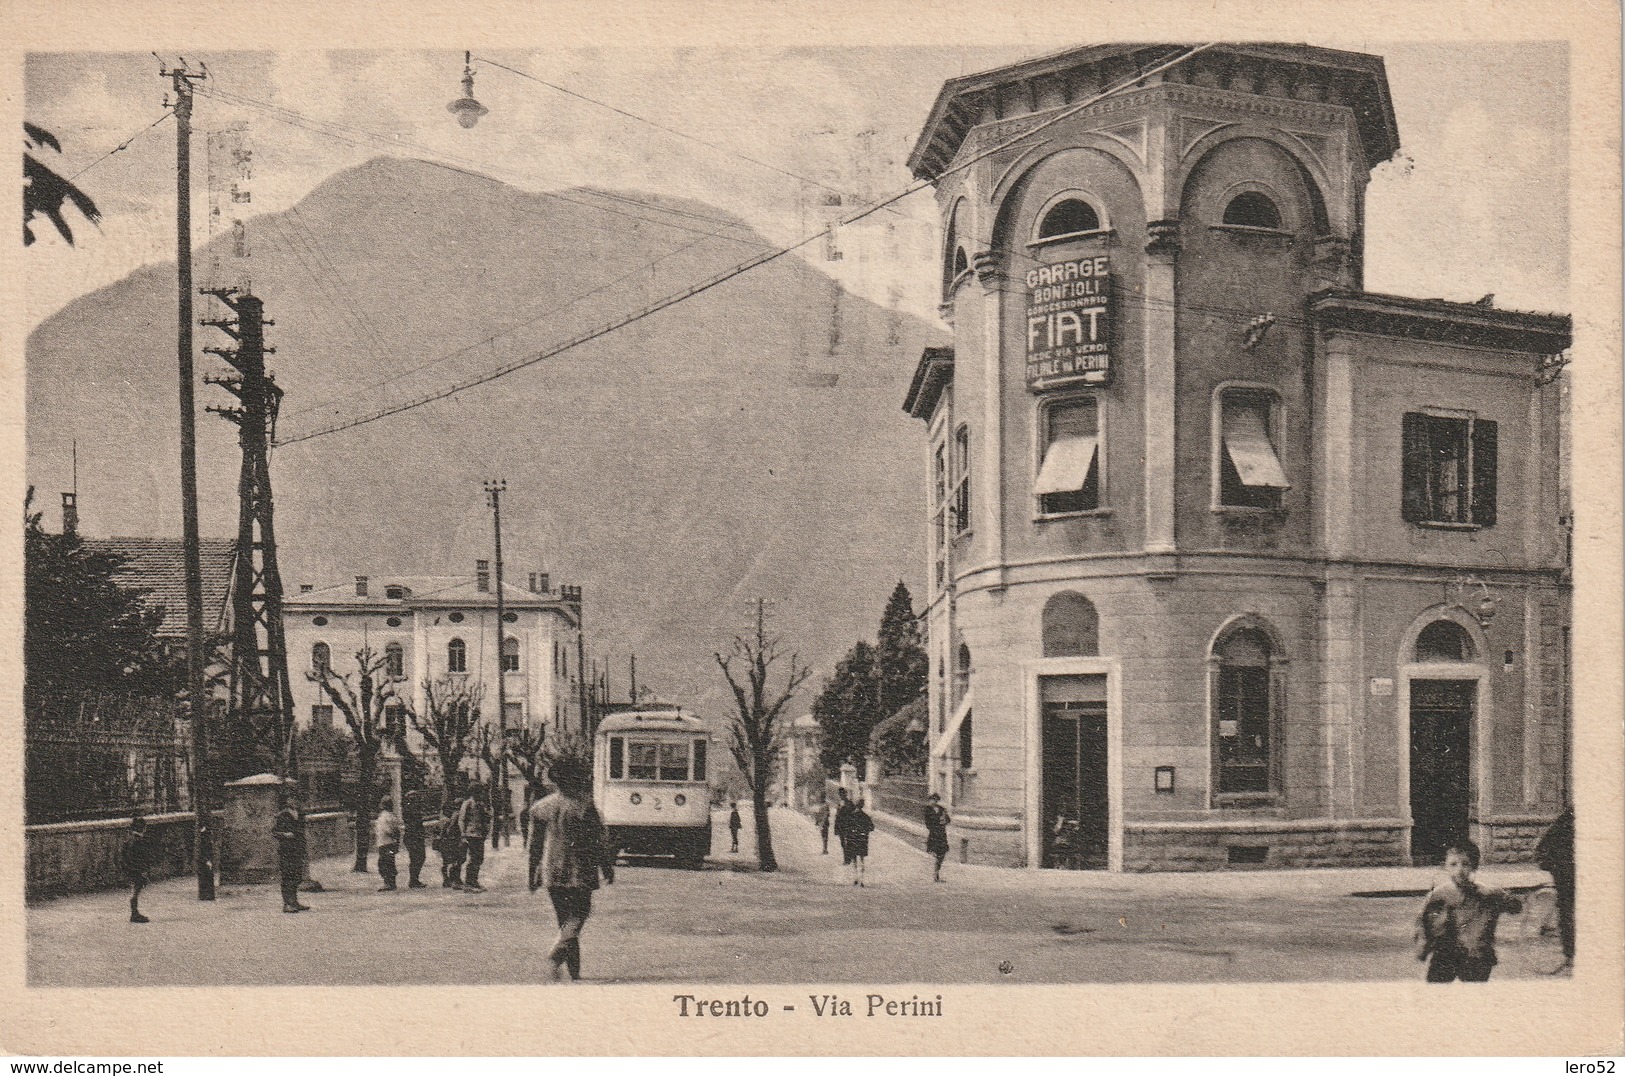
x=806, y=924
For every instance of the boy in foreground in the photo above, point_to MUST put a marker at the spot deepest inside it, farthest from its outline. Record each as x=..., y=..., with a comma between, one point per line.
x=568, y=853
x=1457, y=924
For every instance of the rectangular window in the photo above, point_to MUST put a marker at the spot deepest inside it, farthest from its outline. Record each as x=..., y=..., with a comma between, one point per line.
x=674, y=762
x=1244, y=728
x=617, y=751
x=321, y=717
x=1250, y=471
x=962, y=481
x=1069, y=475
x=939, y=514
x=699, y=760
x=965, y=743
x=643, y=762
x=1449, y=466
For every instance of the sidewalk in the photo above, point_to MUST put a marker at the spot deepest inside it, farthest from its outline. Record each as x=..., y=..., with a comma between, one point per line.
x=888, y=851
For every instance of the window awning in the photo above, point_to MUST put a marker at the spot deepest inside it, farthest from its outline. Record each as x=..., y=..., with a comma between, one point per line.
x=948, y=740
x=1066, y=465
x=1249, y=449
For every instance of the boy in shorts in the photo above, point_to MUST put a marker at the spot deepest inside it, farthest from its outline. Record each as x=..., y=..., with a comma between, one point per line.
x=1457, y=925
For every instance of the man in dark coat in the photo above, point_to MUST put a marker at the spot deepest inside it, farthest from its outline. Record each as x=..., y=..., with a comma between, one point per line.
x=936, y=834
x=843, y=824
x=1555, y=855
x=289, y=831
x=734, y=825
x=414, y=837
x=140, y=853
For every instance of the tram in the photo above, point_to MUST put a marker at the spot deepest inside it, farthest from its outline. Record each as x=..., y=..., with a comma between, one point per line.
x=651, y=784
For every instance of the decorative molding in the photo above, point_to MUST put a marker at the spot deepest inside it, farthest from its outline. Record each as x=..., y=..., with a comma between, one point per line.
x=1162, y=237
x=1129, y=135
x=1192, y=129
x=991, y=268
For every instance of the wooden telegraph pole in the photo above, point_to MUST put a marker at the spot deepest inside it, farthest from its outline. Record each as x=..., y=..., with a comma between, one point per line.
x=493, y=489
x=197, y=702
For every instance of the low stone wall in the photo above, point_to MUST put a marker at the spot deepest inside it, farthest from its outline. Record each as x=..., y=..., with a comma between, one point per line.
x=1201, y=846
x=1510, y=839
x=83, y=857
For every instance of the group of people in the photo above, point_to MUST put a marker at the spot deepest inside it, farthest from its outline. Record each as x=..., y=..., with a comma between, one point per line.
x=852, y=825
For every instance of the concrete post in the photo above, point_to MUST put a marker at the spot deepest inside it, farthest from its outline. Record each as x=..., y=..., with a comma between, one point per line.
x=247, y=853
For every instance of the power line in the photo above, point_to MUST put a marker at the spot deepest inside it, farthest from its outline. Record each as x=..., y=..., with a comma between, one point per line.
x=124, y=145
x=745, y=266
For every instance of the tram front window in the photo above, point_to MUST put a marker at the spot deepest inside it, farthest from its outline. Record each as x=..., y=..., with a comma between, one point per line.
x=674, y=762
x=643, y=762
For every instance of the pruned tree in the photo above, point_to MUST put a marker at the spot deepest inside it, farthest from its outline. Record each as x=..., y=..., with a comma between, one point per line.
x=45, y=192
x=368, y=700
x=453, y=704
x=756, y=732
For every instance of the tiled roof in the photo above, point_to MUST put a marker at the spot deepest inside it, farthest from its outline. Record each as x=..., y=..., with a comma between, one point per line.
x=158, y=566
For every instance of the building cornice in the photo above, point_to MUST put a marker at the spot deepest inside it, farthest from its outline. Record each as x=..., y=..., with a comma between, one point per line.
x=1440, y=321
x=932, y=377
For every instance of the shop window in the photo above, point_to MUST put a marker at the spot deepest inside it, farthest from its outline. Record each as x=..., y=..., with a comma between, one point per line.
x=1245, y=704
x=1071, y=627
x=962, y=480
x=1249, y=466
x=1069, y=217
x=510, y=654
x=1444, y=640
x=1252, y=210
x=1449, y=465
x=321, y=659
x=1069, y=475
x=456, y=656
x=394, y=662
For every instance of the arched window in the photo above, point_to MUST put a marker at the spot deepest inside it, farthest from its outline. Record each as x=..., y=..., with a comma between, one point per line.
x=1069, y=217
x=1246, y=700
x=1252, y=210
x=394, y=662
x=961, y=672
x=1444, y=640
x=456, y=656
x=1071, y=627
x=321, y=658
x=510, y=654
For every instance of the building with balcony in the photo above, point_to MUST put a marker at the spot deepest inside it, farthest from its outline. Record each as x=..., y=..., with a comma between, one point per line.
x=1232, y=562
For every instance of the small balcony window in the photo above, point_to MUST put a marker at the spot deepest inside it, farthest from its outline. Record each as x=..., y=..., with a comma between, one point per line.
x=1249, y=469
x=1449, y=464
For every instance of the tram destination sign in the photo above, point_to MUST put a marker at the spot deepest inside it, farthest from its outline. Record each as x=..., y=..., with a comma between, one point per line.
x=1068, y=323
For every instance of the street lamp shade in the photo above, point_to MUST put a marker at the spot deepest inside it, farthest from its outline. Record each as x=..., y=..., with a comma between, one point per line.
x=467, y=110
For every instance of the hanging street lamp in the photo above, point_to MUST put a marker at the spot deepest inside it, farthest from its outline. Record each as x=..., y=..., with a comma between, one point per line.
x=467, y=110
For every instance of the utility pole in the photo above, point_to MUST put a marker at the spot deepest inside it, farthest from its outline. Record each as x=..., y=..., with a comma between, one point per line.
x=493, y=490
x=197, y=704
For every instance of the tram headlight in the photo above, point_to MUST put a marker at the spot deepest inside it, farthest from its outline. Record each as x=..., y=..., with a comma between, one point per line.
x=679, y=799
x=637, y=798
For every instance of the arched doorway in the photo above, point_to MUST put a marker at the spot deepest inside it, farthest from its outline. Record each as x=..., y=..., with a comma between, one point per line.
x=1442, y=708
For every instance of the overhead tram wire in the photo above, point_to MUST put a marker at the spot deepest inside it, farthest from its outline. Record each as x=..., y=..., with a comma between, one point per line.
x=743, y=267
x=124, y=145
x=356, y=136
x=657, y=125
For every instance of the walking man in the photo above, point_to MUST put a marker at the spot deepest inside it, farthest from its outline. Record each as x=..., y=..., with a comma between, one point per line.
x=734, y=824
x=386, y=834
x=474, y=824
x=140, y=851
x=936, y=834
x=289, y=831
x=823, y=823
x=842, y=824
x=568, y=853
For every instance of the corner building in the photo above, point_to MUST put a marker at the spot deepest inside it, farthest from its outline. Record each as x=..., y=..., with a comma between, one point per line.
x=1232, y=562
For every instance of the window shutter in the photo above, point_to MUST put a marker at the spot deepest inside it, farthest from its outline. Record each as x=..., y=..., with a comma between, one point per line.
x=1484, y=470
x=1414, y=467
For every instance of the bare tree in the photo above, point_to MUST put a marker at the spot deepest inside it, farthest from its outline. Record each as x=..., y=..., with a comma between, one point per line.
x=756, y=733
x=367, y=698
x=449, y=727
x=533, y=752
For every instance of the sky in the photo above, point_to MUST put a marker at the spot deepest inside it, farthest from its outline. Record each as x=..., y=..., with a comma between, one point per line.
x=1475, y=202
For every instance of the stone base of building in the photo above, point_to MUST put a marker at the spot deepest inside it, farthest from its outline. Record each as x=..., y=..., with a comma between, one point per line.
x=986, y=840
x=1204, y=846
x=1510, y=839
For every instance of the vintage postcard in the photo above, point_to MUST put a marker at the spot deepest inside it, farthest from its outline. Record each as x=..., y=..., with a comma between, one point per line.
x=898, y=529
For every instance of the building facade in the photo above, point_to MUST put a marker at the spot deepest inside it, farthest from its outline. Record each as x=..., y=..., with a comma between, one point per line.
x=430, y=627
x=1232, y=562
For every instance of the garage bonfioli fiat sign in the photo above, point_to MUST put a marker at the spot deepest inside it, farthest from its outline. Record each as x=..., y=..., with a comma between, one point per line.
x=1068, y=318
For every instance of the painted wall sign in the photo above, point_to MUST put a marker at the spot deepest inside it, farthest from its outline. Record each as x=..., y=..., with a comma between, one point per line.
x=1068, y=323
x=1382, y=685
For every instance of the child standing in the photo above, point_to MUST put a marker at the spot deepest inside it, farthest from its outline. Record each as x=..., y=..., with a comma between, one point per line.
x=734, y=824
x=1457, y=924
x=386, y=833
x=139, y=853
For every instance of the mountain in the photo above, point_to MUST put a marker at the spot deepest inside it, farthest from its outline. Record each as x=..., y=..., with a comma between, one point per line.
x=746, y=442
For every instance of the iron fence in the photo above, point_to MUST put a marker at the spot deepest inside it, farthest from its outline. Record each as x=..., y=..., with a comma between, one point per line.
x=90, y=756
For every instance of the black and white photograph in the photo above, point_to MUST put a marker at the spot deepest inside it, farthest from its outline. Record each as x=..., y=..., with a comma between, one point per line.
x=792, y=529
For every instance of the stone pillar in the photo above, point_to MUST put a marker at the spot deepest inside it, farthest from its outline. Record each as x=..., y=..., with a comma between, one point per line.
x=247, y=853
x=992, y=272
x=1162, y=250
x=849, y=778
x=1342, y=691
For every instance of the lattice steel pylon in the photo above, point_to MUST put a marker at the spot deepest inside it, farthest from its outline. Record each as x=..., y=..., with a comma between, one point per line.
x=261, y=697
